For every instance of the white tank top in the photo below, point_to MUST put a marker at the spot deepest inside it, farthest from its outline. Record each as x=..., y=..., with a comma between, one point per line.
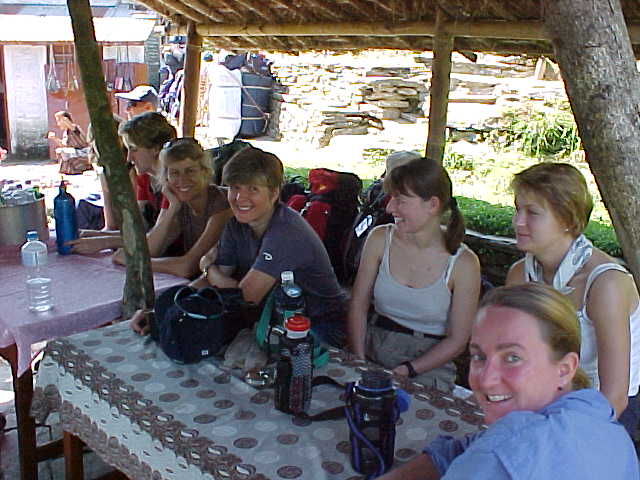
x=588, y=346
x=424, y=309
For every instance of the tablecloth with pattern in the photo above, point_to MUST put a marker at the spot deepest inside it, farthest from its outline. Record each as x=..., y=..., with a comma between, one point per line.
x=154, y=419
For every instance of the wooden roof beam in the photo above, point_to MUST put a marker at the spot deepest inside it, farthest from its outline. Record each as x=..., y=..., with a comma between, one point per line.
x=518, y=30
x=157, y=7
x=480, y=29
x=180, y=7
x=204, y=9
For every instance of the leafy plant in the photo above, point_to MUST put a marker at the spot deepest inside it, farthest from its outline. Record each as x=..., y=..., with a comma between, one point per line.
x=376, y=156
x=539, y=132
x=457, y=161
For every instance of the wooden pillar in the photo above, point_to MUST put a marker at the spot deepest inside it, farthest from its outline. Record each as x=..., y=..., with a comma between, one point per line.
x=439, y=91
x=191, y=84
x=138, y=289
x=597, y=64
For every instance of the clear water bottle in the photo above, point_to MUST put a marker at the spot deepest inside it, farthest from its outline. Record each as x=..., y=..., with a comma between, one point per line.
x=294, y=369
x=64, y=212
x=34, y=258
x=289, y=300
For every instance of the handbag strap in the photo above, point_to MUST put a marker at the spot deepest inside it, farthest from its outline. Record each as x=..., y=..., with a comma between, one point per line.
x=184, y=292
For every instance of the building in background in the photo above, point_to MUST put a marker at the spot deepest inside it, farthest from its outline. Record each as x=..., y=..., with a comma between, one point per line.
x=39, y=74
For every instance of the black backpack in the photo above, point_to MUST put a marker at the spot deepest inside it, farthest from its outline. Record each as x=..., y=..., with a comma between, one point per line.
x=372, y=214
x=221, y=155
x=330, y=208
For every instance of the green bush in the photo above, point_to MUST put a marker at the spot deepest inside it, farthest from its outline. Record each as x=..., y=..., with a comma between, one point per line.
x=539, y=132
x=490, y=219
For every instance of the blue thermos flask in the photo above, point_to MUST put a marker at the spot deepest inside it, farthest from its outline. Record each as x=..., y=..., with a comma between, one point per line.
x=64, y=212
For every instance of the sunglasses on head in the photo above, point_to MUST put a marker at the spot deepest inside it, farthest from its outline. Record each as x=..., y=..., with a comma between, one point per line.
x=177, y=141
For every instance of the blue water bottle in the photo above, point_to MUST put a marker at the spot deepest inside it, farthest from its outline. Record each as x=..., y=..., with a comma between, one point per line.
x=64, y=212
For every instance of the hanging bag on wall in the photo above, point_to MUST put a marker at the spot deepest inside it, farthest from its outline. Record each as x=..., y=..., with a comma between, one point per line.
x=53, y=85
x=194, y=324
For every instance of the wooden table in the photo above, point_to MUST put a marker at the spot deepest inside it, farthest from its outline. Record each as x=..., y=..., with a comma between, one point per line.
x=87, y=293
x=151, y=418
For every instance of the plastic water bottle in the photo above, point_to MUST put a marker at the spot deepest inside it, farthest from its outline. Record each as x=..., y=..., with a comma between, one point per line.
x=294, y=369
x=288, y=298
x=372, y=416
x=64, y=212
x=34, y=259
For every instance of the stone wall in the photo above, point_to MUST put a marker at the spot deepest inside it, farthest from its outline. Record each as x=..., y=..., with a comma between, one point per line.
x=313, y=102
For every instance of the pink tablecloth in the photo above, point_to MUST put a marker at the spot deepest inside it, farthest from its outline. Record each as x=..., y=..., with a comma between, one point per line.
x=87, y=293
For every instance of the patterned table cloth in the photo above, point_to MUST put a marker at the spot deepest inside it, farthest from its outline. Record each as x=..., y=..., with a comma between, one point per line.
x=155, y=419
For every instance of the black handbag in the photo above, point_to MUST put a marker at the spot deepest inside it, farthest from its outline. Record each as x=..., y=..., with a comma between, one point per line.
x=194, y=324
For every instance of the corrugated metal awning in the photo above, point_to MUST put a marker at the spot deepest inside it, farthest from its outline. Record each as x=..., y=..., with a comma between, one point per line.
x=31, y=28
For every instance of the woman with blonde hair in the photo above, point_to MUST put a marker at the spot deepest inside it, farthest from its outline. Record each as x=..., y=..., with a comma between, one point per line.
x=423, y=282
x=553, y=206
x=544, y=422
x=196, y=214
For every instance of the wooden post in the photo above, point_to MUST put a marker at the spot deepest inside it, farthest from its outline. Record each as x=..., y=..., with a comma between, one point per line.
x=439, y=91
x=191, y=84
x=596, y=61
x=138, y=289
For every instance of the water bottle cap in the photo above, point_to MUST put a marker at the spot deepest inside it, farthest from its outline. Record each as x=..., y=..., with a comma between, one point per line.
x=286, y=276
x=32, y=235
x=297, y=323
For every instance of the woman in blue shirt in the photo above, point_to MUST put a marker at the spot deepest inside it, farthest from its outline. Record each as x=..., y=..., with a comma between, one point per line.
x=543, y=421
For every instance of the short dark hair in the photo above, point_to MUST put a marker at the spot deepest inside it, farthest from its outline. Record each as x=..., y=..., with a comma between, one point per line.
x=254, y=166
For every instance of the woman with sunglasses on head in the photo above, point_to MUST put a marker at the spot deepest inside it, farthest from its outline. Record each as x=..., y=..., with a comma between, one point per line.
x=265, y=238
x=424, y=284
x=196, y=213
x=553, y=206
x=543, y=420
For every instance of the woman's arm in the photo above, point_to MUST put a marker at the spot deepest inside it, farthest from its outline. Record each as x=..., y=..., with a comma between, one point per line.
x=363, y=290
x=94, y=244
x=515, y=276
x=610, y=301
x=464, y=303
x=166, y=229
x=255, y=284
x=187, y=265
x=418, y=468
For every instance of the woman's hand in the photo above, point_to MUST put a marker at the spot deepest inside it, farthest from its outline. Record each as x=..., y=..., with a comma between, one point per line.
x=401, y=370
x=141, y=321
x=118, y=257
x=91, y=245
x=171, y=197
x=207, y=259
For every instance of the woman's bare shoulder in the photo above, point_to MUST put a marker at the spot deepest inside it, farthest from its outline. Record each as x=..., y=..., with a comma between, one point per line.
x=515, y=275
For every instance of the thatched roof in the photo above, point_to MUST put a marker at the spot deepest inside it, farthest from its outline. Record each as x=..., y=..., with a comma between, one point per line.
x=503, y=26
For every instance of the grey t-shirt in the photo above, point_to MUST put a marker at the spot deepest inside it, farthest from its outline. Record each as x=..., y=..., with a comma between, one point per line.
x=289, y=243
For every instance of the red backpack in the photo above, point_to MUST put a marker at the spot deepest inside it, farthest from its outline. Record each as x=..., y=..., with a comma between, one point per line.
x=330, y=208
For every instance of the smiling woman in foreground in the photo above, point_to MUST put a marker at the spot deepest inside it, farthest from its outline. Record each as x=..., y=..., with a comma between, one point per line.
x=543, y=421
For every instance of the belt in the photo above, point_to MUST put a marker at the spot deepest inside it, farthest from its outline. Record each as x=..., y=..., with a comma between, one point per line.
x=387, y=324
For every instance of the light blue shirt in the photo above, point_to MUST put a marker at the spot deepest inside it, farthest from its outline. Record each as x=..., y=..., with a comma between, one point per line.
x=575, y=437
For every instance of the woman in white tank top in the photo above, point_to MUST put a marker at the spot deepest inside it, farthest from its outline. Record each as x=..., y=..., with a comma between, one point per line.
x=553, y=206
x=423, y=284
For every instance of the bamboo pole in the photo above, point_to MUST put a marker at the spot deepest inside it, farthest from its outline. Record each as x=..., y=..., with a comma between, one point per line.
x=191, y=84
x=439, y=91
x=138, y=289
